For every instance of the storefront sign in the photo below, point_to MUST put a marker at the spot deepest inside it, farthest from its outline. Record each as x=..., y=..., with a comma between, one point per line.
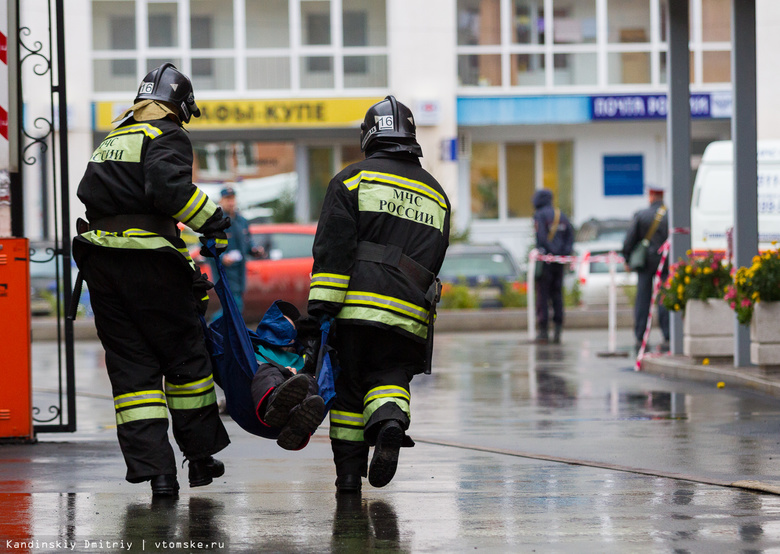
x=655, y=106
x=623, y=175
x=240, y=114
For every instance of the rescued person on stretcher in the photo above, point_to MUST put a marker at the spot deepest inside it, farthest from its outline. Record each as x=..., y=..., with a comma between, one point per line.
x=284, y=390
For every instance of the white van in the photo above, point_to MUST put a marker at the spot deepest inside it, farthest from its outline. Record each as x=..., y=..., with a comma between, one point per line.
x=712, y=204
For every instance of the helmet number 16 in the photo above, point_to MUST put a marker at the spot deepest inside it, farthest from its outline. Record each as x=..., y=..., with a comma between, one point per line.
x=385, y=122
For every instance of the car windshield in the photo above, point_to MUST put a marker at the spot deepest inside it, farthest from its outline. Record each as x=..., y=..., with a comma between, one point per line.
x=477, y=264
x=279, y=246
x=603, y=266
x=614, y=231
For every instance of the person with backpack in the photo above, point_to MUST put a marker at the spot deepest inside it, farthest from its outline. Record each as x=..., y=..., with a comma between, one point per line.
x=554, y=235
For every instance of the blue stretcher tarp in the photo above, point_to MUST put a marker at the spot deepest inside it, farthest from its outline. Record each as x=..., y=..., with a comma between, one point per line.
x=234, y=362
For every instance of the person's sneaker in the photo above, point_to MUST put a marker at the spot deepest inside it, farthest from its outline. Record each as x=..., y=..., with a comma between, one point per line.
x=204, y=470
x=305, y=419
x=165, y=485
x=385, y=459
x=284, y=398
x=349, y=483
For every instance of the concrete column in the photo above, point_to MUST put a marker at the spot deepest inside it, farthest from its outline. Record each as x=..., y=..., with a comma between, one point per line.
x=678, y=128
x=743, y=132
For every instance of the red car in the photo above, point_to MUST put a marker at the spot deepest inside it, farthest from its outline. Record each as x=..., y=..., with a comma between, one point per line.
x=283, y=273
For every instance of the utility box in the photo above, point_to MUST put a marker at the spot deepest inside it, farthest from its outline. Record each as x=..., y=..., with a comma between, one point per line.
x=15, y=329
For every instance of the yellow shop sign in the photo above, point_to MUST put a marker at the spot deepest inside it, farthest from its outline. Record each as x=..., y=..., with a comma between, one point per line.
x=242, y=114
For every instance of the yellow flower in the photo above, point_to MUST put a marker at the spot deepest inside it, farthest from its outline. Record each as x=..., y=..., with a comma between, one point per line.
x=755, y=296
x=705, y=361
x=707, y=270
x=774, y=242
x=688, y=252
x=680, y=289
x=688, y=269
x=687, y=280
x=756, y=260
x=676, y=307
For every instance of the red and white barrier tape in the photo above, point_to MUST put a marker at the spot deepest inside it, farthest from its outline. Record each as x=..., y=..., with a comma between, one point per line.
x=664, y=250
x=534, y=256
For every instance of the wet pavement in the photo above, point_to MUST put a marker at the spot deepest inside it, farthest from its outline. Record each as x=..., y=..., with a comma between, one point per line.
x=520, y=448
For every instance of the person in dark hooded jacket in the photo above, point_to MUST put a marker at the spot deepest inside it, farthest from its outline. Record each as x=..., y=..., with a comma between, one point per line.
x=554, y=235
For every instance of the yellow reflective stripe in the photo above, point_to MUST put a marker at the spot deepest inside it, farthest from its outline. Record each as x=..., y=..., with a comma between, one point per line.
x=141, y=401
x=374, y=406
x=191, y=387
x=149, y=130
x=388, y=302
x=192, y=402
x=138, y=414
x=346, y=418
x=364, y=313
x=139, y=393
x=151, y=242
x=327, y=295
x=203, y=215
x=396, y=180
x=196, y=201
x=330, y=279
x=352, y=435
x=386, y=391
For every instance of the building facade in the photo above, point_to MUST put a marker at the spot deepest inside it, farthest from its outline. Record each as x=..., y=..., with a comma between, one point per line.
x=509, y=95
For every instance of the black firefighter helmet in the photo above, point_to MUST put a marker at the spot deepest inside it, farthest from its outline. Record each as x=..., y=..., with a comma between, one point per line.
x=389, y=126
x=168, y=84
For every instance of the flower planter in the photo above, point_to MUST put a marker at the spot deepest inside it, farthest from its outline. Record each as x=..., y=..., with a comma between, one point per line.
x=765, y=336
x=708, y=329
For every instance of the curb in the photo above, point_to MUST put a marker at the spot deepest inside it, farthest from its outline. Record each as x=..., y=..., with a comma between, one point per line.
x=683, y=367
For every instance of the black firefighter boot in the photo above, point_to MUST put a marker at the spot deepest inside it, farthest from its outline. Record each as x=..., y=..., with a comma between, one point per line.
x=557, y=334
x=541, y=336
x=385, y=459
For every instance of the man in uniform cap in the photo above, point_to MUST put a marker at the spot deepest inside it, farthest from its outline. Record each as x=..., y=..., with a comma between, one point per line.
x=651, y=223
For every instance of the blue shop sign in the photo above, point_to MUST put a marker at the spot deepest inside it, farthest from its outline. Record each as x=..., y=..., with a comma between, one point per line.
x=624, y=175
x=646, y=106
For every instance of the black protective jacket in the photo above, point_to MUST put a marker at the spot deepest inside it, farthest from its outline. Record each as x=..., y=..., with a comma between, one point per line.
x=639, y=227
x=380, y=241
x=143, y=168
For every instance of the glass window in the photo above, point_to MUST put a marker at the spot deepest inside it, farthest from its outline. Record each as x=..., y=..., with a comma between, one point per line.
x=628, y=20
x=520, y=179
x=108, y=81
x=317, y=72
x=364, y=22
x=113, y=25
x=268, y=73
x=211, y=24
x=528, y=24
x=154, y=63
x=320, y=172
x=574, y=21
x=163, y=25
x=716, y=67
x=480, y=70
x=479, y=22
x=527, y=70
x=267, y=24
x=557, y=173
x=315, y=23
x=212, y=74
x=716, y=20
x=575, y=69
x=365, y=71
x=628, y=67
x=484, y=180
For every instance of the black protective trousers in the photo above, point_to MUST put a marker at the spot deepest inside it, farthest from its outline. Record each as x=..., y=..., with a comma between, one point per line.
x=377, y=366
x=146, y=319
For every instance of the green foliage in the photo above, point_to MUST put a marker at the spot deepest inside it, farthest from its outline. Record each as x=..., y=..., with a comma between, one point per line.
x=758, y=283
x=697, y=278
x=573, y=297
x=458, y=297
x=514, y=295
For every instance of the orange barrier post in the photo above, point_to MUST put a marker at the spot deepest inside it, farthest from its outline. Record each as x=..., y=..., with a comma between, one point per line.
x=15, y=331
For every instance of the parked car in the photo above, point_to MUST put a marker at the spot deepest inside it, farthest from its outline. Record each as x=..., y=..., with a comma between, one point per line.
x=283, y=272
x=603, y=230
x=592, y=272
x=483, y=268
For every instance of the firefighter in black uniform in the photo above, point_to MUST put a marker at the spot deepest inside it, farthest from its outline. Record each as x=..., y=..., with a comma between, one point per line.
x=380, y=241
x=145, y=289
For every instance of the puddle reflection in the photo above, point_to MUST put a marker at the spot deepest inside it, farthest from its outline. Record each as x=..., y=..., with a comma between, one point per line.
x=361, y=526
